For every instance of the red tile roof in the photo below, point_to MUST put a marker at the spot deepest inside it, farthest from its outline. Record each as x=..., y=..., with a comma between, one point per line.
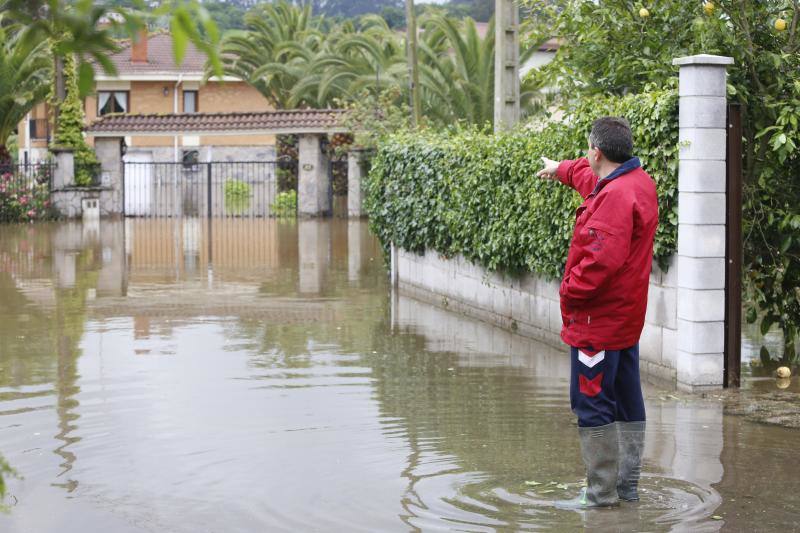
x=551, y=45
x=293, y=121
x=159, y=58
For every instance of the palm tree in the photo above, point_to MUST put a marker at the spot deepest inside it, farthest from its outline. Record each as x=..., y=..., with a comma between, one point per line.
x=25, y=72
x=457, y=71
x=271, y=53
x=351, y=62
x=288, y=57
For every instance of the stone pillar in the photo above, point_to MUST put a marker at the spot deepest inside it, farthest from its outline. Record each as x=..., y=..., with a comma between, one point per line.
x=64, y=173
x=506, y=65
x=313, y=181
x=701, y=220
x=109, y=153
x=354, y=246
x=313, y=254
x=355, y=168
x=111, y=280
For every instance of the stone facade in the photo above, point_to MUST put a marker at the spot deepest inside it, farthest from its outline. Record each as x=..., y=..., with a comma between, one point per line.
x=69, y=200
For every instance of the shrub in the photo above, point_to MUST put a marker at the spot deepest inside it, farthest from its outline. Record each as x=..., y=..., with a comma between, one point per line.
x=237, y=196
x=285, y=205
x=470, y=192
x=23, y=201
x=69, y=132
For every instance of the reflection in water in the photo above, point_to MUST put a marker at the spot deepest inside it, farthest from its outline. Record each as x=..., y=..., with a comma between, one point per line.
x=261, y=376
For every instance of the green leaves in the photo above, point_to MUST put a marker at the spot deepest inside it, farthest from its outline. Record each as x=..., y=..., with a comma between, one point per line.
x=466, y=191
x=88, y=29
x=85, y=78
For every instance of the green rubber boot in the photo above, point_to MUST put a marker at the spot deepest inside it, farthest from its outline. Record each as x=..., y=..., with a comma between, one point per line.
x=599, y=448
x=631, y=445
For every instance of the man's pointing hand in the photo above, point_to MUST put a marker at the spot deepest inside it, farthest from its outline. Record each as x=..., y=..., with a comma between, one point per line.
x=549, y=170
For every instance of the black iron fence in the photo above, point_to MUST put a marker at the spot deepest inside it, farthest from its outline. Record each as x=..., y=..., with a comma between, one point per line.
x=26, y=176
x=189, y=188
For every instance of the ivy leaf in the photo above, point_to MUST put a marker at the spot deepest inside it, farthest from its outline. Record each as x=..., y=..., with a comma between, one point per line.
x=766, y=324
x=787, y=242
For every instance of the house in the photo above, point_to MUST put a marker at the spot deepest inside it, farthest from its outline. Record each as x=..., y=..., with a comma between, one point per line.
x=543, y=54
x=148, y=81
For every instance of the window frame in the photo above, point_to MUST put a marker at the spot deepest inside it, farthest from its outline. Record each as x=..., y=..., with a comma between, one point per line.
x=127, y=100
x=196, y=101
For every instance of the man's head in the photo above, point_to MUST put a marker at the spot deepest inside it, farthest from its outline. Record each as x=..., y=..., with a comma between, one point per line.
x=610, y=139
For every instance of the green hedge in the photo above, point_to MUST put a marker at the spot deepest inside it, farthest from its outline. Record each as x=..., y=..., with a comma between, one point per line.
x=474, y=193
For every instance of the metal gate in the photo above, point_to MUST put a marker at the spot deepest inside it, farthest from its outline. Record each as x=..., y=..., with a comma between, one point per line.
x=192, y=189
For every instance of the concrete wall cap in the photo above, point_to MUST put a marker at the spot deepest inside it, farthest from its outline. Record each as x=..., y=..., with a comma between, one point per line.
x=703, y=59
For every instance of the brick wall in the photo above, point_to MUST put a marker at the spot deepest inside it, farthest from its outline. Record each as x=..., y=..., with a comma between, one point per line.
x=148, y=97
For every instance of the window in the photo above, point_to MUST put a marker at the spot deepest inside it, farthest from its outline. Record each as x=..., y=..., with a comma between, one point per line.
x=112, y=102
x=190, y=101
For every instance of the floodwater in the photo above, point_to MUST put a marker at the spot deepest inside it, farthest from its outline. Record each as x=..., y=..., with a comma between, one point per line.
x=273, y=383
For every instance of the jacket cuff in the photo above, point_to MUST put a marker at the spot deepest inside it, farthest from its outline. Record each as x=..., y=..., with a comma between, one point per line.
x=563, y=171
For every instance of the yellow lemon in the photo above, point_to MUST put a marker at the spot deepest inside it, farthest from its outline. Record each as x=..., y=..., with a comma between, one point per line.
x=780, y=24
x=708, y=7
x=644, y=13
x=783, y=372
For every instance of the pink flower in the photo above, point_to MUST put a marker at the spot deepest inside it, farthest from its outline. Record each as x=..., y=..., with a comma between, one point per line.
x=23, y=200
x=31, y=213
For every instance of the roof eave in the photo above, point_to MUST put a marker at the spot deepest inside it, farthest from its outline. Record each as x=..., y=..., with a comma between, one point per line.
x=164, y=76
x=218, y=133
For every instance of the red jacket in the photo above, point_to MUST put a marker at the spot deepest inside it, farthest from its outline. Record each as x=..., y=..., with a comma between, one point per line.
x=604, y=290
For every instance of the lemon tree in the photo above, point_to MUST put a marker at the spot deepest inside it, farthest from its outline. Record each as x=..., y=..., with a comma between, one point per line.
x=610, y=48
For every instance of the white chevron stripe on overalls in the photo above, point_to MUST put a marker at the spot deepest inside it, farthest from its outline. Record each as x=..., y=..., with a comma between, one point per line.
x=591, y=360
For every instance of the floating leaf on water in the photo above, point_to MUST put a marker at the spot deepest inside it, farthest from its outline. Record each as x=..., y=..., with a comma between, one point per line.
x=716, y=517
x=548, y=491
x=562, y=486
x=554, y=482
x=532, y=483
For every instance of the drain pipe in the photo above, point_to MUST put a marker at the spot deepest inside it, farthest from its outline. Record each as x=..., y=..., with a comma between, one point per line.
x=175, y=112
x=28, y=139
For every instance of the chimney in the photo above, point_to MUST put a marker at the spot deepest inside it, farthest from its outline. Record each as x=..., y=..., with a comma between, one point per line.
x=139, y=47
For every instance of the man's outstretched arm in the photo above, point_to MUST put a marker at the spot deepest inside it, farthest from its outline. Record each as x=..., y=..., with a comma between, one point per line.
x=573, y=172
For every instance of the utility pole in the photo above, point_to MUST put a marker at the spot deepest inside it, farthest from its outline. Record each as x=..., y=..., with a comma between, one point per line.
x=506, y=64
x=413, y=70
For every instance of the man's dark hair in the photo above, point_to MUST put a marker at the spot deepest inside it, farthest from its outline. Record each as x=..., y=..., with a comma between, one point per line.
x=612, y=135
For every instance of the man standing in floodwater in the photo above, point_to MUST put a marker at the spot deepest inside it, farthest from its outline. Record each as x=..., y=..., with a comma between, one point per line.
x=603, y=303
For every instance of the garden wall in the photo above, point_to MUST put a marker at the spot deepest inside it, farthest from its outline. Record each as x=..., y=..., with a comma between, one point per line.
x=529, y=304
